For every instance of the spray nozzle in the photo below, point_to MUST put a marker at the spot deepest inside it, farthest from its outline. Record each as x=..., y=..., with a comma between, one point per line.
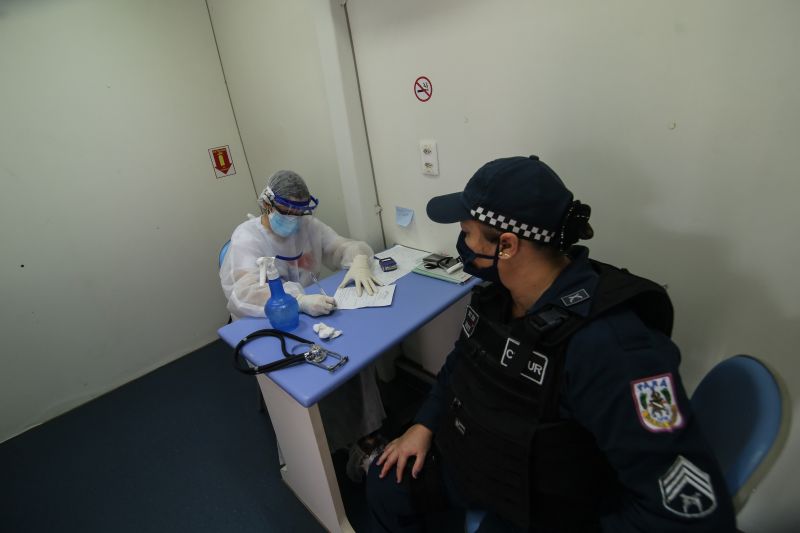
x=266, y=269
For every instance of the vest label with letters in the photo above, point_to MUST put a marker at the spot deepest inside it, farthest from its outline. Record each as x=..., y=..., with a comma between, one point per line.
x=575, y=298
x=470, y=321
x=535, y=366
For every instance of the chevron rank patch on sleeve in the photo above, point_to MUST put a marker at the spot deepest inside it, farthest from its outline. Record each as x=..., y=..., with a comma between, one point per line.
x=686, y=490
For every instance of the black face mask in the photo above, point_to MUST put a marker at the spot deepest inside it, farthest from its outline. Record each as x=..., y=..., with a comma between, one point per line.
x=467, y=256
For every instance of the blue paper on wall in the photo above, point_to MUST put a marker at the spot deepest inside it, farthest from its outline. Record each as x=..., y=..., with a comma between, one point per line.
x=403, y=216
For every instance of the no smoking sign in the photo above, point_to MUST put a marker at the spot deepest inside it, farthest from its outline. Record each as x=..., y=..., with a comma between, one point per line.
x=423, y=89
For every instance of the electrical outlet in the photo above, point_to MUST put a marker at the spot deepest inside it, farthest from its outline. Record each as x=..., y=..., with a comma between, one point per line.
x=430, y=157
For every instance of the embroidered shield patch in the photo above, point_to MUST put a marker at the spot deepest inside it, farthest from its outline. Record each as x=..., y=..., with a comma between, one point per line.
x=686, y=490
x=656, y=403
x=470, y=321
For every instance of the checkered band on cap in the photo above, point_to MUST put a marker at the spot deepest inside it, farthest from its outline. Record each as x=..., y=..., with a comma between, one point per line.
x=526, y=231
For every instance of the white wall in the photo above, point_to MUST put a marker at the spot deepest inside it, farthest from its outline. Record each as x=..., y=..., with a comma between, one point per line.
x=273, y=64
x=678, y=122
x=108, y=198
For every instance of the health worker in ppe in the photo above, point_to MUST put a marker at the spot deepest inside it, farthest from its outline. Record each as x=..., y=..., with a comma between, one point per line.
x=301, y=243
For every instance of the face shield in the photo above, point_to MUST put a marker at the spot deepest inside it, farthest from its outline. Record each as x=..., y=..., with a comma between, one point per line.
x=287, y=206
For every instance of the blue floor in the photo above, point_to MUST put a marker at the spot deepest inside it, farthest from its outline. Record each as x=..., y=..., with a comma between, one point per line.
x=183, y=448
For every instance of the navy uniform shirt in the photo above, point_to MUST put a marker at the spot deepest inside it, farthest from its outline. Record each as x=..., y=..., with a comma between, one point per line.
x=621, y=383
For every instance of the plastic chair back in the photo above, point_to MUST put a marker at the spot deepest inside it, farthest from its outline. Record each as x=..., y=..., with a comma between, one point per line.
x=473, y=519
x=738, y=406
x=222, y=252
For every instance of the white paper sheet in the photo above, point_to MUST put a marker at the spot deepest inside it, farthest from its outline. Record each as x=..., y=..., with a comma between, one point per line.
x=346, y=297
x=406, y=259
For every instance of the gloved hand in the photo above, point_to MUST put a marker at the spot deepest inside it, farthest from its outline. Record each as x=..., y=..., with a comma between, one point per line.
x=361, y=275
x=316, y=304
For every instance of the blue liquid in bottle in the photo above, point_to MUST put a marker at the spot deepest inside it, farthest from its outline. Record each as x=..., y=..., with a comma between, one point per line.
x=281, y=308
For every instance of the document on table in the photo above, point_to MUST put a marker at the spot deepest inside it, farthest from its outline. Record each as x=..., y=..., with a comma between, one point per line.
x=406, y=259
x=346, y=297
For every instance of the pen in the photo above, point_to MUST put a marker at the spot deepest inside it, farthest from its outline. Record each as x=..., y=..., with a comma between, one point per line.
x=314, y=277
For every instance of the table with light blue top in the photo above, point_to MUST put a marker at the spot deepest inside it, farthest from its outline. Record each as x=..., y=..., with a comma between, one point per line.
x=291, y=394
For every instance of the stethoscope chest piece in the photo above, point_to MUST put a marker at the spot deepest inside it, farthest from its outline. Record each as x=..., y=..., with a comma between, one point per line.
x=316, y=355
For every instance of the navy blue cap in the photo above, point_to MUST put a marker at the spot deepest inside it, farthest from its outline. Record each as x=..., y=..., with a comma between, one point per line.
x=517, y=194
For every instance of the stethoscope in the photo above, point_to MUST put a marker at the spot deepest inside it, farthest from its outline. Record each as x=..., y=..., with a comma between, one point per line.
x=314, y=354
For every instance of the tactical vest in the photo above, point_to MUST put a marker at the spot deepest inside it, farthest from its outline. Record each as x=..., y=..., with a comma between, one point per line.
x=502, y=436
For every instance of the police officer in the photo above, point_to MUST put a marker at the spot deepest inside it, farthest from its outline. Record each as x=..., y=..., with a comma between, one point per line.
x=560, y=408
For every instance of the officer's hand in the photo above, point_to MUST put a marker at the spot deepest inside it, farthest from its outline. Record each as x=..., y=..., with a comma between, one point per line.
x=413, y=443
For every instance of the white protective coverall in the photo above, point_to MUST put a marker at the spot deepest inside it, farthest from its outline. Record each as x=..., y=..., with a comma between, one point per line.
x=355, y=409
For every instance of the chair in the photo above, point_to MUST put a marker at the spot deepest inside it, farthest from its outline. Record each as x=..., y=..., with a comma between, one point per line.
x=223, y=251
x=473, y=519
x=739, y=408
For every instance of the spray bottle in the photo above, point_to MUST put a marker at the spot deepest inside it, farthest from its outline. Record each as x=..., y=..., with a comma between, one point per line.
x=281, y=308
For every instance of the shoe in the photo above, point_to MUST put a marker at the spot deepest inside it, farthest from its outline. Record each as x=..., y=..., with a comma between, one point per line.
x=361, y=455
x=371, y=457
x=355, y=459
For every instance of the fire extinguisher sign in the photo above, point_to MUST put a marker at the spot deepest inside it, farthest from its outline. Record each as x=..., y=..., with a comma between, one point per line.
x=221, y=161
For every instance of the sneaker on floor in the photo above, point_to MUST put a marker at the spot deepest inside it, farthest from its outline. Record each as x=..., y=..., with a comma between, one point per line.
x=361, y=455
x=355, y=458
x=371, y=457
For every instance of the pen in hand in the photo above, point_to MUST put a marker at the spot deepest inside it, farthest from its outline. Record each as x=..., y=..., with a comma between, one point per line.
x=314, y=277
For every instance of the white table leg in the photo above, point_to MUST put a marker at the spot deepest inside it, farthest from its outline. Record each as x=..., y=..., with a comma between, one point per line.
x=308, y=468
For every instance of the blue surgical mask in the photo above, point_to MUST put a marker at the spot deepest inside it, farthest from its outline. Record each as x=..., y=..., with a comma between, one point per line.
x=283, y=225
x=466, y=254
